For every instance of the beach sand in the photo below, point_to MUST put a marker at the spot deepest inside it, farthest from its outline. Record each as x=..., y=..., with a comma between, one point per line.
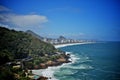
x=70, y=44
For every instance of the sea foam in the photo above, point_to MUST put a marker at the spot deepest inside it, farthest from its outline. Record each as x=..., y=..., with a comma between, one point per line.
x=49, y=72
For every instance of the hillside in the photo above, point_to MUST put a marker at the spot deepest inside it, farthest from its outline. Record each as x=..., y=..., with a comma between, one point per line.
x=18, y=44
x=34, y=34
x=20, y=51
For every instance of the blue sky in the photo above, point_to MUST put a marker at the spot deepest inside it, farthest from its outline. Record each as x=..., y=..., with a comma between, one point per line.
x=78, y=19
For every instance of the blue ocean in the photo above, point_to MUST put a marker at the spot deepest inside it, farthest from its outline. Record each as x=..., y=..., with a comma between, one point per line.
x=95, y=61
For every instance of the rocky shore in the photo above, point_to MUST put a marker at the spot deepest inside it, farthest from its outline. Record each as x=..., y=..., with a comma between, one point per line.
x=45, y=67
x=63, y=59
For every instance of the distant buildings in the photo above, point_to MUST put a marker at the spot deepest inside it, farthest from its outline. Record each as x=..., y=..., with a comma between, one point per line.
x=62, y=40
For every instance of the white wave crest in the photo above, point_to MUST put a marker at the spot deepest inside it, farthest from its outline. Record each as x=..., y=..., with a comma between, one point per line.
x=50, y=71
x=82, y=66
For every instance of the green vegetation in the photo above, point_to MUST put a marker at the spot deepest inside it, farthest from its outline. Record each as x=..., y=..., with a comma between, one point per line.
x=8, y=73
x=18, y=45
x=5, y=56
x=26, y=49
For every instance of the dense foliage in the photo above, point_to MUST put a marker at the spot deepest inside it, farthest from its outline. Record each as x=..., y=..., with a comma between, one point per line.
x=30, y=51
x=18, y=44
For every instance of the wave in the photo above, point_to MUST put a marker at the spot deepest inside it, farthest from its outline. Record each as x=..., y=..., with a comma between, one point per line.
x=82, y=67
x=73, y=57
x=50, y=71
x=84, y=59
x=68, y=68
x=78, y=59
x=64, y=72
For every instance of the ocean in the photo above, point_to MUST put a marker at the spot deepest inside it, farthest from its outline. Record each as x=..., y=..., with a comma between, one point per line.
x=95, y=61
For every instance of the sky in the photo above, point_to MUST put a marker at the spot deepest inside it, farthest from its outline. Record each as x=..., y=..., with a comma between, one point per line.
x=75, y=19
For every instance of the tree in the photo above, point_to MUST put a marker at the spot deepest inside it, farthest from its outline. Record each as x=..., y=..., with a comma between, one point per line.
x=5, y=56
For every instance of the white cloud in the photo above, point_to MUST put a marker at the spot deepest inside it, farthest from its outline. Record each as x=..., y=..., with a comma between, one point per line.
x=3, y=25
x=2, y=8
x=17, y=20
x=28, y=20
x=31, y=20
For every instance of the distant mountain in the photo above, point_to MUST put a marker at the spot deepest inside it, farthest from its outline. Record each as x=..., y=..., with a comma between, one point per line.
x=34, y=34
x=62, y=38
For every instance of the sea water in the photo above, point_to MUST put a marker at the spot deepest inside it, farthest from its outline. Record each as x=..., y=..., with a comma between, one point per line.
x=96, y=61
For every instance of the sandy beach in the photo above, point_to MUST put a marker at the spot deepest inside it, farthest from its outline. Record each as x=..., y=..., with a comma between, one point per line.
x=70, y=44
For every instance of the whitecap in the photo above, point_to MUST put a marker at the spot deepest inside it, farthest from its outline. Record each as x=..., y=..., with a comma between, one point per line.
x=65, y=72
x=50, y=71
x=82, y=67
x=73, y=58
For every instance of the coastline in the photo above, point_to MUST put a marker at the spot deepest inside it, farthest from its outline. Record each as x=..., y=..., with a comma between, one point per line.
x=71, y=44
x=49, y=72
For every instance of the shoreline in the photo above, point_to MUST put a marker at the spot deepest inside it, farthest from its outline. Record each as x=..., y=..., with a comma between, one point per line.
x=71, y=44
x=49, y=72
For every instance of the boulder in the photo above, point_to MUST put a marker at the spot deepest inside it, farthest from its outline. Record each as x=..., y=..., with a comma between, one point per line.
x=43, y=65
x=61, y=60
x=49, y=63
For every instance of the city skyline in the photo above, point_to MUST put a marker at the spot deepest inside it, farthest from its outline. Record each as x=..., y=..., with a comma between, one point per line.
x=79, y=19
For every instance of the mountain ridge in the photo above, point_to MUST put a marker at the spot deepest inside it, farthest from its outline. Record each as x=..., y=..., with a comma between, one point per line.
x=34, y=34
